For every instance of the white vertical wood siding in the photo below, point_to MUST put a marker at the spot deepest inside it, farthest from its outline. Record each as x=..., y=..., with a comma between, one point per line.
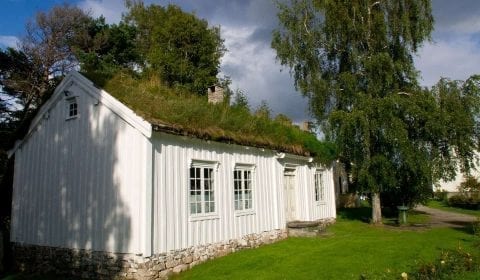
x=78, y=183
x=311, y=210
x=174, y=228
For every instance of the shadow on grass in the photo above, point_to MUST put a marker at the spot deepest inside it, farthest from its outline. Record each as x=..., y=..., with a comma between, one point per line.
x=362, y=214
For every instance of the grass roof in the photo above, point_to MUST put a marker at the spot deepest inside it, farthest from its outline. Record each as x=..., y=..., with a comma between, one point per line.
x=179, y=112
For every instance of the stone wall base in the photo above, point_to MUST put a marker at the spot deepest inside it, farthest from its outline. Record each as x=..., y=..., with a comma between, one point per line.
x=308, y=229
x=101, y=265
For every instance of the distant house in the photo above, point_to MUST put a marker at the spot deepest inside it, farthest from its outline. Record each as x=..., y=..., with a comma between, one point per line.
x=451, y=187
x=100, y=191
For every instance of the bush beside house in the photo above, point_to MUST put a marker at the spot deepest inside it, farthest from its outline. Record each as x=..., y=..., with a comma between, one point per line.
x=469, y=195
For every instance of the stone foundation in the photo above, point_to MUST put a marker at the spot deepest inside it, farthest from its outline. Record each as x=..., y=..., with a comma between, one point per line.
x=308, y=229
x=100, y=265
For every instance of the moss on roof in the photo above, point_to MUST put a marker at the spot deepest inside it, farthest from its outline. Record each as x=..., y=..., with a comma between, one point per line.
x=179, y=112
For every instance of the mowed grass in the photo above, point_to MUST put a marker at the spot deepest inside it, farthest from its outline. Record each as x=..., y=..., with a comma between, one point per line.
x=443, y=206
x=352, y=249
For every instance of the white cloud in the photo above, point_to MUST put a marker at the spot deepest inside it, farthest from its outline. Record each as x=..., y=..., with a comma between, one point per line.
x=111, y=9
x=455, y=58
x=8, y=41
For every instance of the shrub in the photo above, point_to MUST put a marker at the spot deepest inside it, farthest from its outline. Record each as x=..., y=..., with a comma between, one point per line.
x=449, y=264
x=465, y=201
x=471, y=186
x=476, y=231
x=440, y=195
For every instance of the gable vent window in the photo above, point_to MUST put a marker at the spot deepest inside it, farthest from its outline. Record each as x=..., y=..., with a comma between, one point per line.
x=72, y=108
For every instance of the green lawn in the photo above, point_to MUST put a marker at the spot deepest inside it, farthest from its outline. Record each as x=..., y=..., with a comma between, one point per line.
x=442, y=206
x=353, y=248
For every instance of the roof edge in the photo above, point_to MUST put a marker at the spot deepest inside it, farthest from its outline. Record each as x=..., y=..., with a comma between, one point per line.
x=75, y=78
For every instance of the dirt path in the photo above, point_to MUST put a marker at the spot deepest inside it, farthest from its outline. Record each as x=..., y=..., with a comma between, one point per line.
x=440, y=218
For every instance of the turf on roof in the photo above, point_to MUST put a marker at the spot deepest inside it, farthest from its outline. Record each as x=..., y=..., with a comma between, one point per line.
x=176, y=111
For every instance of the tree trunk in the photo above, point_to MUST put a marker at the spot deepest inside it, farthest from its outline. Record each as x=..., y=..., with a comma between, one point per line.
x=376, y=209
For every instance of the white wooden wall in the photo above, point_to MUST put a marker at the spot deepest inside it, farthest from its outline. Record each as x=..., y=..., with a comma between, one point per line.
x=173, y=226
x=79, y=183
x=309, y=209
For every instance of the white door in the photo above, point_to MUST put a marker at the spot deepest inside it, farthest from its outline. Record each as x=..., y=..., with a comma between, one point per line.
x=289, y=181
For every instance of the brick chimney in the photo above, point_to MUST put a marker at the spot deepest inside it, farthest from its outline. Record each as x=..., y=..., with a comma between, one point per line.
x=215, y=94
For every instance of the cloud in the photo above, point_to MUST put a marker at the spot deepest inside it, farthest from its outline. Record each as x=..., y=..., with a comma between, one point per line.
x=455, y=58
x=8, y=41
x=252, y=67
x=456, y=16
x=111, y=9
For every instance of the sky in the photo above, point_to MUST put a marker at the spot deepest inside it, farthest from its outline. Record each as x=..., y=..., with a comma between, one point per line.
x=246, y=26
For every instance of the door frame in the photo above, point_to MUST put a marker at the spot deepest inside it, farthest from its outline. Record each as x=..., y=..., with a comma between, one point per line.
x=289, y=187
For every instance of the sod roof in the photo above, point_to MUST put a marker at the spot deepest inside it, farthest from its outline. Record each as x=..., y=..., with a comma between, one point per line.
x=176, y=111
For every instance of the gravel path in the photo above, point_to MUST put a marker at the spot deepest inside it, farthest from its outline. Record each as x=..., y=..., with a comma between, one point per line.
x=440, y=218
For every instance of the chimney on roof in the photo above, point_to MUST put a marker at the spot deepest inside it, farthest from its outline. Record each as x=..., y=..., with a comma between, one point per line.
x=306, y=126
x=215, y=94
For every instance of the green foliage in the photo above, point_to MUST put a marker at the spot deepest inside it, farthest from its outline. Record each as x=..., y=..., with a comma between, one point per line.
x=354, y=60
x=450, y=264
x=182, y=112
x=182, y=48
x=440, y=195
x=470, y=186
x=469, y=196
x=464, y=201
x=104, y=49
x=240, y=100
x=476, y=229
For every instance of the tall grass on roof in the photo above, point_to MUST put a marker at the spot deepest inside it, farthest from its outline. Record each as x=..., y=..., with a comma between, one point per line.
x=185, y=113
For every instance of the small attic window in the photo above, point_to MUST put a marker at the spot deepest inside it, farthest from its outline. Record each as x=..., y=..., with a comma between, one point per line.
x=72, y=108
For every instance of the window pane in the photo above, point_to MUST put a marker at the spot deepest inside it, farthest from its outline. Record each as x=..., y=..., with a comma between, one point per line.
x=201, y=193
x=248, y=199
x=238, y=205
x=242, y=189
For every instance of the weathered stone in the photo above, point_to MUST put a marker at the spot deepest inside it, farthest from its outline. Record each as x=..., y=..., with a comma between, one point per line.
x=171, y=264
x=180, y=268
x=165, y=274
x=187, y=259
x=98, y=265
x=159, y=267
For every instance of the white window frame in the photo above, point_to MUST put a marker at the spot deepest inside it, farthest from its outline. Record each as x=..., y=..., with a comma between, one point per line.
x=204, y=187
x=319, y=186
x=73, y=100
x=243, y=187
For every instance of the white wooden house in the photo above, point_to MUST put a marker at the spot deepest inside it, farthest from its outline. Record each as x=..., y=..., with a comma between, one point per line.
x=92, y=176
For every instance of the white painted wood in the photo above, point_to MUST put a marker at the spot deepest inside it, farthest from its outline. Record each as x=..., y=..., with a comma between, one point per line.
x=78, y=182
x=289, y=184
x=175, y=228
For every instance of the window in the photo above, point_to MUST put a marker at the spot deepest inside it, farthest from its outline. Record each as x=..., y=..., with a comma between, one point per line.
x=242, y=188
x=202, y=191
x=319, y=188
x=72, y=108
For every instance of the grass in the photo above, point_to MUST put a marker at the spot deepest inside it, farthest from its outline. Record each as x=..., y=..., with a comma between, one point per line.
x=354, y=248
x=177, y=111
x=443, y=206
